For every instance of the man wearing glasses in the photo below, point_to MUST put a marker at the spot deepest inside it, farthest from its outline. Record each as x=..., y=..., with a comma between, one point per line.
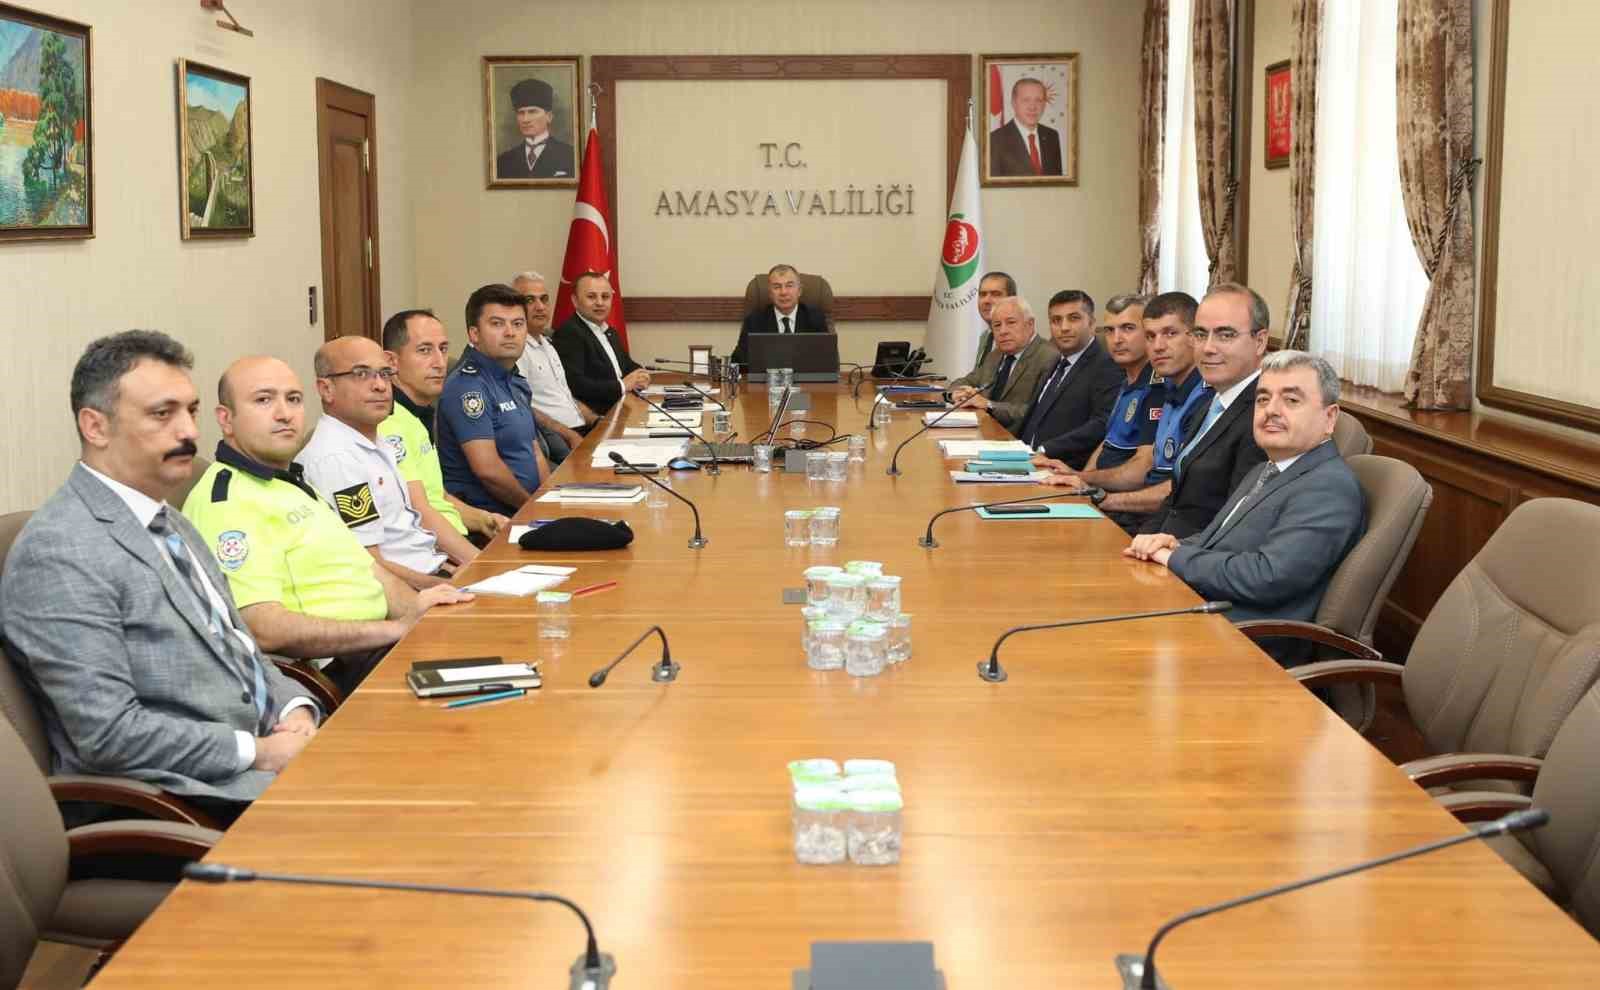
x=345, y=461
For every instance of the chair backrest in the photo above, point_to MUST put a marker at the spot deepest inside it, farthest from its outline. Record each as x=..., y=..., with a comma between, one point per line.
x=33, y=857
x=20, y=711
x=1569, y=847
x=10, y=525
x=1397, y=501
x=1514, y=641
x=181, y=494
x=1350, y=436
x=814, y=291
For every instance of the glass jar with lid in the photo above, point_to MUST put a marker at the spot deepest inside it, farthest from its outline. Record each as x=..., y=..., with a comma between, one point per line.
x=883, y=598
x=819, y=825
x=817, y=582
x=847, y=597
x=826, y=649
x=873, y=827
x=866, y=649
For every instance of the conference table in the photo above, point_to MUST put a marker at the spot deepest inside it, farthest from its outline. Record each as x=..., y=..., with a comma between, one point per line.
x=1122, y=774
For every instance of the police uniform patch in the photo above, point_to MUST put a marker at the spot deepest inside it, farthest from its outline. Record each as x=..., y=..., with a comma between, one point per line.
x=1155, y=413
x=356, y=504
x=1171, y=449
x=1133, y=407
x=232, y=549
x=397, y=444
x=472, y=404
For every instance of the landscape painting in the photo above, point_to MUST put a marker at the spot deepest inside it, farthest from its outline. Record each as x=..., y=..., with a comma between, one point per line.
x=216, y=186
x=46, y=185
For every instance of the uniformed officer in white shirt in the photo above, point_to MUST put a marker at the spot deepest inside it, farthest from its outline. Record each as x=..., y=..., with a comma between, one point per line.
x=557, y=411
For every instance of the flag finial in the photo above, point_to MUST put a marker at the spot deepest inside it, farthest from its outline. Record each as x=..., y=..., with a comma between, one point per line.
x=969, y=113
x=594, y=100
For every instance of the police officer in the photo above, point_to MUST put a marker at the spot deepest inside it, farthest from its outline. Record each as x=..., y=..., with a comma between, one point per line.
x=487, y=436
x=305, y=585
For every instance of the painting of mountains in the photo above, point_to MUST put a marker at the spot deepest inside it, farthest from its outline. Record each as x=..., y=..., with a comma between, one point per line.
x=46, y=183
x=215, y=186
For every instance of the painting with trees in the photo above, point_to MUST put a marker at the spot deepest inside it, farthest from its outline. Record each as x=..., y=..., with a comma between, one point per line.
x=46, y=182
x=216, y=181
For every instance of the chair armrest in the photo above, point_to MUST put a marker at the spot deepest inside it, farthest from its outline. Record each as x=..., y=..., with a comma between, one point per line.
x=1326, y=672
x=1483, y=806
x=130, y=795
x=1449, y=768
x=1259, y=629
x=316, y=684
x=132, y=838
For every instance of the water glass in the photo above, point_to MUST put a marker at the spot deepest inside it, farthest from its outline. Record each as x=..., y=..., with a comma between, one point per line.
x=785, y=378
x=819, y=836
x=900, y=639
x=761, y=458
x=816, y=465
x=881, y=413
x=858, y=448
x=847, y=597
x=797, y=527
x=838, y=465
x=797, y=427
x=817, y=577
x=554, y=609
x=826, y=651
x=808, y=615
x=883, y=598
x=873, y=829
x=866, y=649
x=654, y=497
x=721, y=422
x=825, y=527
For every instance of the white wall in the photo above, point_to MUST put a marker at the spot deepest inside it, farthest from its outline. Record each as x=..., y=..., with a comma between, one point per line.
x=222, y=298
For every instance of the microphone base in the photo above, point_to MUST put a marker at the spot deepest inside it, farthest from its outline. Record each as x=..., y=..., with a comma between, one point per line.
x=927, y=542
x=893, y=471
x=665, y=672
x=993, y=676
x=584, y=978
x=1130, y=966
x=697, y=542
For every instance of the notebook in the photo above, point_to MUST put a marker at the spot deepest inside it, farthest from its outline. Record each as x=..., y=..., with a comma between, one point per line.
x=472, y=675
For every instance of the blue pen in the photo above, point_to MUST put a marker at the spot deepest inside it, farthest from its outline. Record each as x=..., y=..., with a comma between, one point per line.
x=497, y=696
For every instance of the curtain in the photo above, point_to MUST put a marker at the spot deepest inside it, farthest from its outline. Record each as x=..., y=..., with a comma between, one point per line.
x=1152, y=130
x=1213, y=128
x=1306, y=28
x=1181, y=264
x=1433, y=73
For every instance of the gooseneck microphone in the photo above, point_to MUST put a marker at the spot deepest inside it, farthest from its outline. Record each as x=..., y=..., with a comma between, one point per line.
x=1139, y=972
x=691, y=373
x=871, y=426
x=665, y=670
x=894, y=462
x=696, y=541
x=592, y=969
x=927, y=542
x=991, y=671
x=714, y=468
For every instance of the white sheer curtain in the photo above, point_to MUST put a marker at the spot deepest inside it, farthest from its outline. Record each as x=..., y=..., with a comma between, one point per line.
x=1183, y=265
x=1367, y=285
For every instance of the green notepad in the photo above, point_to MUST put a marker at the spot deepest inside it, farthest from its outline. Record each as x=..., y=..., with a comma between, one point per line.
x=1006, y=455
x=1058, y=510
x=1000, y=467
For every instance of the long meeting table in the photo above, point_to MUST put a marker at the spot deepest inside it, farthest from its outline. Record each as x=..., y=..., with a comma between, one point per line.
x=1122, y=774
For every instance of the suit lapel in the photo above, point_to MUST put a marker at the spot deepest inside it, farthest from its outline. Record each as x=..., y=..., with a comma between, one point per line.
x=1084, y=357
x=1245, y=400
x=1307, y=462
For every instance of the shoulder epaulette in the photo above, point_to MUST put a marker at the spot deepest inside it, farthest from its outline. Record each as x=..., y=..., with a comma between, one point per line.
x=219, y=487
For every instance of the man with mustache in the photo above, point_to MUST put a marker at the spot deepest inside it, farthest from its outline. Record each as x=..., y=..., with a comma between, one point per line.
x=117, y=614
x=305, y=585
x=562, y=419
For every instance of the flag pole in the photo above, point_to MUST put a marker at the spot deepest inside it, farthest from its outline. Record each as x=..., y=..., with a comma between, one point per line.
x=969, y=114
x=594, y=99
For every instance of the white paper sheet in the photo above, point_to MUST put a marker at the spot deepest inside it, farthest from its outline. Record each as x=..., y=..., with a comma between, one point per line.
x=951, y=420
x=518, y=583
x=972, y=448
x=452, y=675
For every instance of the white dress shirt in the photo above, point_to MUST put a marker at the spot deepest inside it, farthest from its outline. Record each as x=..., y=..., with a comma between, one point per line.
x=1226, y=398
x=790, y=316
x=541, y=366
x=599, y=332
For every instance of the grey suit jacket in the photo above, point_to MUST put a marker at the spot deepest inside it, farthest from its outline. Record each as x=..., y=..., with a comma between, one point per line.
x=1010, y=407
x=1274, y=557
x=130, y=681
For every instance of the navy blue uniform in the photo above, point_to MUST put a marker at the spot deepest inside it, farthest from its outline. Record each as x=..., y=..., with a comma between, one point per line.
x=1178, y=420
x=1134, y=418
x=483, y=401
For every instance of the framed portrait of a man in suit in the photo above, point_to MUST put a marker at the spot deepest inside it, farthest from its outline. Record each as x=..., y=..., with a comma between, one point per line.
x=1030, y=128
x=532, y=105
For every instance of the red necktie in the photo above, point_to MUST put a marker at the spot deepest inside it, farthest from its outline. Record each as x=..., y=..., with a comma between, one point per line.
x=1033, y=154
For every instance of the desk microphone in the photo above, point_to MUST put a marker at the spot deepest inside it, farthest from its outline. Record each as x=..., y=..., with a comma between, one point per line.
x=715, y=468
x=927, y=542
x=991, y=671
x=871, y=426
x=894, y=462
x=1139, y=972
x=593, y=969
x=695, y=542
x=665, y=670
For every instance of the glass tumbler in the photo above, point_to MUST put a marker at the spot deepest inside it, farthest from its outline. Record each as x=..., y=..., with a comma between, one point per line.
x=866, y=649
x=554, y=609
x=817, y=577
x=721, y=422
x=858, y=448
x=847, y=597
x=761, y=458
x=900, y=639
x=883, y=598
x=654, y=497
x=826, y=650
x=797, y=527
x=838, y=465
x=881, y=413
x=808, y=615
x=825, y=527
x=816, y=465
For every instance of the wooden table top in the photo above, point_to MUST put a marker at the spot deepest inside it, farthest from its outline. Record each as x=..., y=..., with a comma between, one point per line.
x=1123, y=774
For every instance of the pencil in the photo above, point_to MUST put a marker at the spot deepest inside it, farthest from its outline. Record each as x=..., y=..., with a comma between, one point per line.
x=594, y=588
x=482, y=699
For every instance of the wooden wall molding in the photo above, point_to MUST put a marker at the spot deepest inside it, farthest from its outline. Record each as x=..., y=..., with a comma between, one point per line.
x=607, y=70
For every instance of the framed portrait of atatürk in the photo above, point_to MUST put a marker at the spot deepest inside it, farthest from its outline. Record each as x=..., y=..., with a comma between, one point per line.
x=532, y=105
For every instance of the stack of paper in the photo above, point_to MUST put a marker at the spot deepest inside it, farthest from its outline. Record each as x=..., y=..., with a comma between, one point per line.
x=657, y=392
x=600, y=493
x=643, y=450
x=951, y=419
x=676, y=417
x=979, y=448
x=997, y=478
x=523, y=581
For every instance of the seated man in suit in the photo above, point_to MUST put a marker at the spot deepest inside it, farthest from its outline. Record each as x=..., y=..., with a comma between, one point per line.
x=993, y=287
x=1067, y=419
x=538, y=156
x=1131, y=425
x=786, y=314
x=596, y=363
x=1023, y=146
x=1007, y=379
x=304, y=584
x=1290, y=521
x=119, y=617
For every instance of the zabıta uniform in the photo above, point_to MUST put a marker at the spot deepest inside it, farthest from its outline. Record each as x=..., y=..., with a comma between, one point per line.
x=278, y=541
x=1134, y=418
x=418, y=459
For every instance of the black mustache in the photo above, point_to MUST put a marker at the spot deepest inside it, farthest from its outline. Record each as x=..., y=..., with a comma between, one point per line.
x=185, y=449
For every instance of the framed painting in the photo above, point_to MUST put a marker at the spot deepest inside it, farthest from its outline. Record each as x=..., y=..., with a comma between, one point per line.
x=46, y=137
x=1030, y=123
x=1279, y=112
x=531, y=110
x=216, y=173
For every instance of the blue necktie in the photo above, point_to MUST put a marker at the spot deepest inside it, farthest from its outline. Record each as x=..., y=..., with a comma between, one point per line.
x=1205, y=424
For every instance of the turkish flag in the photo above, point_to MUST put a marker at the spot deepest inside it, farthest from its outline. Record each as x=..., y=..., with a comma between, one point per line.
x=589, y=244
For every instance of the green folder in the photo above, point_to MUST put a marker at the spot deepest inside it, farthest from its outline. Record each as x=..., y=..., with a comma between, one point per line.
x=1058, y=510
x=1000, y=467
x=1006, y=455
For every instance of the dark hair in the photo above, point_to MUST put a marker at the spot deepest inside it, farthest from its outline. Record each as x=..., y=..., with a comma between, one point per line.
x=1028, y=79
x=1260, y=315
x=591, y=273
x=498, y=294
x=397, y=328
x=1179, y=304
x=1072, y=296
x=98, y=373
x=1011, y=283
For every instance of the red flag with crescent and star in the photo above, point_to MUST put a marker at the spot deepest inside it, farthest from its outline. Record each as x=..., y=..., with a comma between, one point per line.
x=590, y=245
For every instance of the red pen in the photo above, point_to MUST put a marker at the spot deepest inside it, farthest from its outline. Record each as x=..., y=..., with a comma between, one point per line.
x=593, y=588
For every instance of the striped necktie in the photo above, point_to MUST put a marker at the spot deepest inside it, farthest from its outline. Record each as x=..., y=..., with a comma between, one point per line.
x=1002, y=375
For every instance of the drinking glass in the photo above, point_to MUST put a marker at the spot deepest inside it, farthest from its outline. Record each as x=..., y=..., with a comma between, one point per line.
x=900, y=639
x=838, y=465
x=816, y=465
x=825, y=527
x=761, y=458
x=858, y=448
x=797, y=527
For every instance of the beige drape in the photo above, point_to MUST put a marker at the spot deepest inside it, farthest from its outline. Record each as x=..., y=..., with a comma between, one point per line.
x=1434, y=90
x=1213, y=133
x=1307, y=34
x=1152, y=132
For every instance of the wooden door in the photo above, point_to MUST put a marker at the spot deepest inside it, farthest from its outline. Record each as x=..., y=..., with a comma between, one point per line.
x=348, y=187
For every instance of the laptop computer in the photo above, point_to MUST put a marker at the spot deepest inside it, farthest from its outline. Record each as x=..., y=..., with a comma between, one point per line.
x=813, y=356
x=743, y=453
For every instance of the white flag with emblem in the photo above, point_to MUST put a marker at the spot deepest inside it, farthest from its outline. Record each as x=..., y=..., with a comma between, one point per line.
x=953, y=322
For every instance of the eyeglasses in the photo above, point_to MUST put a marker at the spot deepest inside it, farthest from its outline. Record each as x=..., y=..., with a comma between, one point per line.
x=1222, y=335
x=362, y=373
